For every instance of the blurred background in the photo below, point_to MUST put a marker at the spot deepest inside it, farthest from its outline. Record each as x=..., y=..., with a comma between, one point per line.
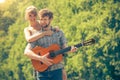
x=80, y=20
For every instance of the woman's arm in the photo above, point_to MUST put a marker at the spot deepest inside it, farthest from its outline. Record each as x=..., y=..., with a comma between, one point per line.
x=30, y=38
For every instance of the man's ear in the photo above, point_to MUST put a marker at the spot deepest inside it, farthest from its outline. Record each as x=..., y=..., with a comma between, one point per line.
x=51, y=19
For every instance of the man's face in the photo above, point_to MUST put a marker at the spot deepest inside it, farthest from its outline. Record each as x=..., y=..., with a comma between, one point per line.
x=45, y=21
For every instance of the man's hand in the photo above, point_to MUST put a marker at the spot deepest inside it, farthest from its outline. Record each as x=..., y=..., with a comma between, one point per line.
x=73, y=49
x=46, y=60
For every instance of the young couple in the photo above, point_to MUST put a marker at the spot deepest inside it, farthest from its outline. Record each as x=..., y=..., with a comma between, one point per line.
x=41, y=33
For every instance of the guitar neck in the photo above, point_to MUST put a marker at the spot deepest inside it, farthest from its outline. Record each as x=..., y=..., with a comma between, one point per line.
x=85, y=43
x=67, y=49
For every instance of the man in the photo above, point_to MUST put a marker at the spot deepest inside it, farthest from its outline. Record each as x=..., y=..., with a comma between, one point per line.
x=54, y=71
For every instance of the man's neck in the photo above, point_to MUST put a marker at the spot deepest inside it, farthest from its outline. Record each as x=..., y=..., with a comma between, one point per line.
x=47, y=28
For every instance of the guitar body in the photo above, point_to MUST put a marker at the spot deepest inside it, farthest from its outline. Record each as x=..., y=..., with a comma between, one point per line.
x=39, y=66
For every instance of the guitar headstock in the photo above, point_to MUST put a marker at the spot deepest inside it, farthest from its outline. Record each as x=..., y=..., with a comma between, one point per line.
x=88, y=42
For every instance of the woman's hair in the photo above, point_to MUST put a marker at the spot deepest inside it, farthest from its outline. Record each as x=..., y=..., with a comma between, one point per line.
x=32, y=10
x=45, y=12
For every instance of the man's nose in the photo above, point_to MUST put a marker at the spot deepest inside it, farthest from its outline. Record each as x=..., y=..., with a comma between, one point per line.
x=43, y=21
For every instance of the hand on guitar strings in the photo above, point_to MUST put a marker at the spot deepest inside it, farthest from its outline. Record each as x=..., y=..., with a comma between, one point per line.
x=46, y=60
x=73, y=49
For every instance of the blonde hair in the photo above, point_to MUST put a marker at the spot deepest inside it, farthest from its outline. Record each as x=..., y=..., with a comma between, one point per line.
x=31, y=9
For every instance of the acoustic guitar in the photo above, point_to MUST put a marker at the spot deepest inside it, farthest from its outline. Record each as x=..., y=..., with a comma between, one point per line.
x=55, y=53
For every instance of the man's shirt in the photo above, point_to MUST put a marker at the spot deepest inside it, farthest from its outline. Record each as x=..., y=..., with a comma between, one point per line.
x=56, y=38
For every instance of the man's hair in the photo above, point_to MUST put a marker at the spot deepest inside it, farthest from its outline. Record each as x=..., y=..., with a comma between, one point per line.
x=31, y=9
x=45, y=12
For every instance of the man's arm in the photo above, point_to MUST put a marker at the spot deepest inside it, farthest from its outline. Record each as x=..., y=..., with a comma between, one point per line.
x=64, y=42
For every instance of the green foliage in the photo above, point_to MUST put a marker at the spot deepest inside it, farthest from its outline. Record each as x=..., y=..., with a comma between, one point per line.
x=80, y=20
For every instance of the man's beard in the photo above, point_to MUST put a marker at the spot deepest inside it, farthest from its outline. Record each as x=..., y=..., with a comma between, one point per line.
x=46, y=25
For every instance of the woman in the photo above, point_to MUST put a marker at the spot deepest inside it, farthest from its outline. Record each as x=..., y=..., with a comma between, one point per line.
x=31, y=16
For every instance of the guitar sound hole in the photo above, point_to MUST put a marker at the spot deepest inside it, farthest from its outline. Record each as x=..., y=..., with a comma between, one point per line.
x=39, y=53
x=41, y=62
x=52, y=54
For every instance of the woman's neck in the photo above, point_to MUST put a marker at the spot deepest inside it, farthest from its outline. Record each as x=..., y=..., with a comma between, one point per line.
x=35, y=25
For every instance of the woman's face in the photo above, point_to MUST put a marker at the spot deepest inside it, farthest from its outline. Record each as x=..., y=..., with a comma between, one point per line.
x=31, y=17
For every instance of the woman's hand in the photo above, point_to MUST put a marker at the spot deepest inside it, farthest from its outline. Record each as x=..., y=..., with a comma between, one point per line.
x=48, y=33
